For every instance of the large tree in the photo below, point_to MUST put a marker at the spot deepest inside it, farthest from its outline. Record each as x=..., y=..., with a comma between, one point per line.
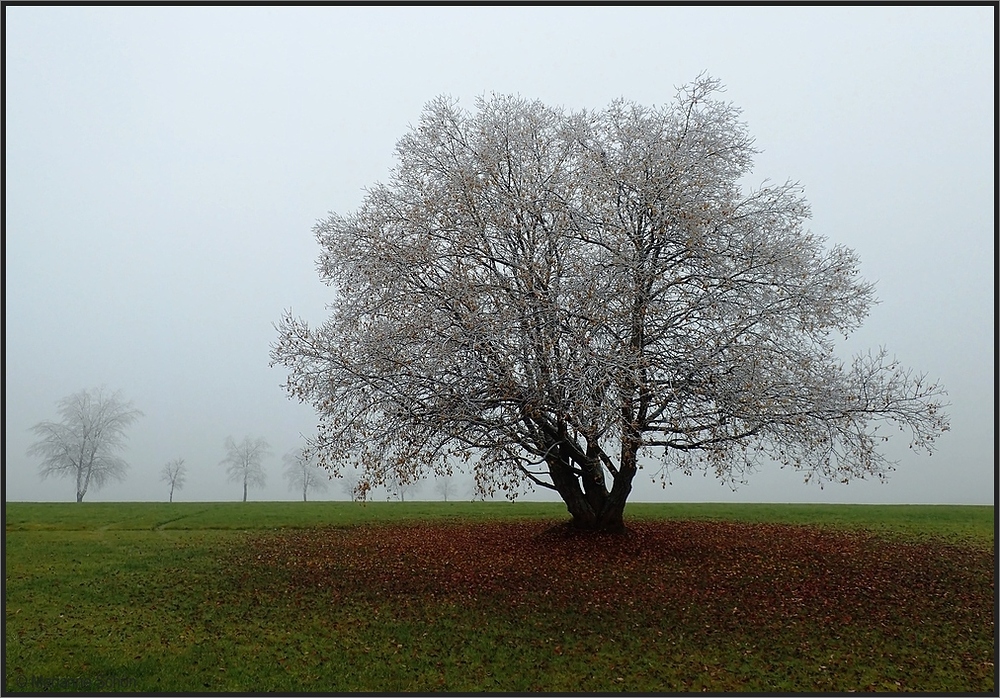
x=86, y=443
x=302, y=472
x=552, y=295
x=244, y=462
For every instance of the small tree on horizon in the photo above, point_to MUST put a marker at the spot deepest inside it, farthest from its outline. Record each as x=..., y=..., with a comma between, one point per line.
x=349, y=481
x=174, y=473
x=243, y=462
x=399, y=487
x=84, y=445
x=445, y=485
x=303, y=474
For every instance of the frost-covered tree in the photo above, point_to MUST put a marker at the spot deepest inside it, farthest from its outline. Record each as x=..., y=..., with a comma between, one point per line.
x=86, y=443
x=174, y=473
x=243, y=462
x=551, y=295
x=303, y=474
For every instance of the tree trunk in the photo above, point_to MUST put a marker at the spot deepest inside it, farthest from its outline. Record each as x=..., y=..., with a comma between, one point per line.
x=81, y=483
x=592, y=506
x=84, y=473
x=611, y=518
x=567, y=484
x=171, y=493
x=244, y=490
x=590, y=503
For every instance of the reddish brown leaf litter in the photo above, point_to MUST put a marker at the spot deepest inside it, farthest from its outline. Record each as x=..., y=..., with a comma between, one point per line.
x=715, y=572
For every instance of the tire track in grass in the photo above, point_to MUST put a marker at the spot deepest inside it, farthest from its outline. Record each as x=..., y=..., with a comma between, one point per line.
x=162, y=524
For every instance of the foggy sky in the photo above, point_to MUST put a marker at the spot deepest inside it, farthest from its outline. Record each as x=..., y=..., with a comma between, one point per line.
x=164, y=167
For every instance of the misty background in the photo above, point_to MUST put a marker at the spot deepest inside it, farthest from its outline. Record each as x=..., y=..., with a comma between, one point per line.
x=164, y=167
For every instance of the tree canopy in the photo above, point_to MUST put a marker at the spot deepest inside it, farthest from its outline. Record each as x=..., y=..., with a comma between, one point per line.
x=548, y=296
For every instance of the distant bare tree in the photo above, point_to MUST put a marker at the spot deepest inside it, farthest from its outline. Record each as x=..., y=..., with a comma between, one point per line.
x=399, y=487
x=243, y=462
x=302, y=473
x=445, y=485
x=85, y=444
x=174, y=472
x=349, y=483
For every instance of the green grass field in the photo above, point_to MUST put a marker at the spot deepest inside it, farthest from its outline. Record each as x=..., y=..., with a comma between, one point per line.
x=468, y=597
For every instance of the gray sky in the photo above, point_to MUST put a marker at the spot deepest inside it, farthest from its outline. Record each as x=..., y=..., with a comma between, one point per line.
x=165, y=166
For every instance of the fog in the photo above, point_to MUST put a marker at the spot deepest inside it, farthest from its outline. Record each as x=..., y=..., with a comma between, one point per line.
x=164, y=167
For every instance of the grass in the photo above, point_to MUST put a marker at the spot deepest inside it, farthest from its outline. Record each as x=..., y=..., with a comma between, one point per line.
x=430, y=596
x=255, y=515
